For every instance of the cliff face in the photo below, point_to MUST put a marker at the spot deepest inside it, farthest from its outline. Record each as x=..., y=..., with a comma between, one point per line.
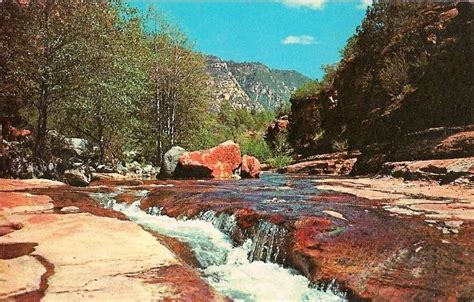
x=406, y=70
x=252, y=86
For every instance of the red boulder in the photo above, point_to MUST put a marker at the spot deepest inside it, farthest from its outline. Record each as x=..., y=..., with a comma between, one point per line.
x=251, y=167
x=218, y=162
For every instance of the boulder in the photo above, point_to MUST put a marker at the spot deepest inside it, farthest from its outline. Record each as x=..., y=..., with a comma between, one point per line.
x=80, y=177
x=78, y=145
x=170, y=161
x=134, y=167
x=251, y=167
x=122, y=169
x=105, y=169
x=70, y=210
x=218, y=162
x=149, y=171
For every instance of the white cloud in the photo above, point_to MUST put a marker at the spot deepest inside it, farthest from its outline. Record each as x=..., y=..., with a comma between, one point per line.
x=312, y=4
x=364, y=3
x=301, y=40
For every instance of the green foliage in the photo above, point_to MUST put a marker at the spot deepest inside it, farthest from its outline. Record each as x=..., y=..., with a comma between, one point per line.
x=281, y=145
x=254, y=145
x=394, y=74
x=340, y=145
x=279, y=161
x=318, y=136
x=308, y=90
x=313, y=88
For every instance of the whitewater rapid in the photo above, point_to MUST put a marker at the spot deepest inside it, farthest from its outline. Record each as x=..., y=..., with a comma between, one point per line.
x=226, y=267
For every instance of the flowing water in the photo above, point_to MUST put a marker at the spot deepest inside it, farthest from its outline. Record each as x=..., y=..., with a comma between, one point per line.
x=243, y=273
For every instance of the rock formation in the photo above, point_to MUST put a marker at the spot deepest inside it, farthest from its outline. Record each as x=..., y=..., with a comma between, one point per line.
x=218, y=162
x=170, y=161
x=251, y=167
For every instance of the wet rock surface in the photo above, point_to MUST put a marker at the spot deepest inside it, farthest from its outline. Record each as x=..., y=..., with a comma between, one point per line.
x=380, y=239
x=371, y=244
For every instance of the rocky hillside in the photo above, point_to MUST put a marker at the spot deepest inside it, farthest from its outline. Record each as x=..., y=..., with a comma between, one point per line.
x=400, y=77
x=252, y=86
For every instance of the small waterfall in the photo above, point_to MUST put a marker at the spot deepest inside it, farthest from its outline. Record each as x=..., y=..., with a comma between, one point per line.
x=225, y=222
x=107, y=200
x=155, y=210
x=267, y=242
x=243, y=273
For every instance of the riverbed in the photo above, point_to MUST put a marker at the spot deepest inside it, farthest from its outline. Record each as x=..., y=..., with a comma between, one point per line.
x=279, y=238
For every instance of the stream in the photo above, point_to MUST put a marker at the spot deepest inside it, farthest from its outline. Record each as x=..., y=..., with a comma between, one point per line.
x=243, y=273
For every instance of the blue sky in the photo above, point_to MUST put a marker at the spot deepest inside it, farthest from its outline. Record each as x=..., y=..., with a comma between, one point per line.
x=298, y=35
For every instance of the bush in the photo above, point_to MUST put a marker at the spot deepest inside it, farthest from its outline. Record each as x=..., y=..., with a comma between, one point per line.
x=279, y=161
x=281, y=146
x=394, y=75
x=255, y=146
x=340, y=146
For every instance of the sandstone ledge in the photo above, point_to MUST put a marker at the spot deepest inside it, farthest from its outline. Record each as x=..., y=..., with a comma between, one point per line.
x=412, y=198
x=57, y=256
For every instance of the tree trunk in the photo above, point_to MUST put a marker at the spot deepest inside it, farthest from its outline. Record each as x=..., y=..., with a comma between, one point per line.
x=158, y=125
x=101, y=143
x=41, y=126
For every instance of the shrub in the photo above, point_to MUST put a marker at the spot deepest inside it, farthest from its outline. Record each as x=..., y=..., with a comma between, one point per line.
x=255, y=146
x=340, y=146
x=279, y=161
x=281, y=146
x=394, y=76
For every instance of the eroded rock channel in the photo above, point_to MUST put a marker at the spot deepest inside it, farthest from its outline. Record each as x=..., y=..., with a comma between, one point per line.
x=286, y=238
x=407, y=241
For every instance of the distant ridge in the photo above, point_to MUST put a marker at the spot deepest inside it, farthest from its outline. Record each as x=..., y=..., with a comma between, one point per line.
x=252, y=85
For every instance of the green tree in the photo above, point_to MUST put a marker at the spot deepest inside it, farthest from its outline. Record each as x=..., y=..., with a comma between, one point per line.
x=47, y=64
x=178, y=95
x=116, y=43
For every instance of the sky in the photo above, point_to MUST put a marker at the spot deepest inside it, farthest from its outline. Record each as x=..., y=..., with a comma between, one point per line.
x=299, y=35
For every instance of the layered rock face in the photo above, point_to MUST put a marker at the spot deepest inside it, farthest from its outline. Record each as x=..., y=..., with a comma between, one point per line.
x=430, y=144
x=219, y=162
x=251, y=86
x=442, y=170
x=325, y=164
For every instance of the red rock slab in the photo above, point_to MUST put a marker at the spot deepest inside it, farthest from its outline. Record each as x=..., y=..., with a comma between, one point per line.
x=186, y=282
x=68, y=197
x=109, y=183
x=16, y=199
x=8, y=227
x=16, y=249
x=180, y=249
x=27, y=184
x=386, y=258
